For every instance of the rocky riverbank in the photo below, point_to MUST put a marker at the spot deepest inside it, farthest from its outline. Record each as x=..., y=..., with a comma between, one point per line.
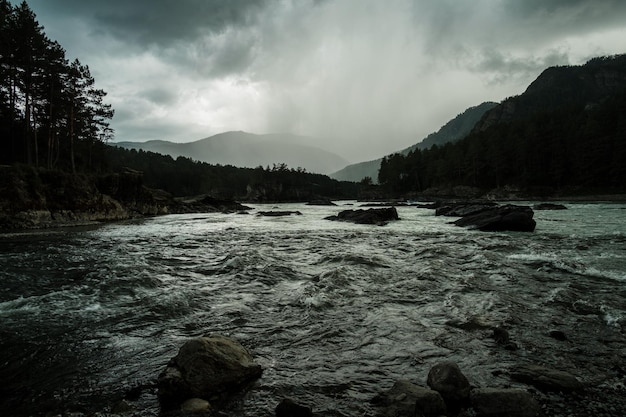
x=208, y=372
x=36, y=198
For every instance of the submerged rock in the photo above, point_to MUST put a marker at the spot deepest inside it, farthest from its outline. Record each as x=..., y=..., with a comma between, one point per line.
x=546, y=379
x=207, y=204
x=549, y=206
x=195, y=406
x=497, y=402
x=320, y=203
x=447, y=379
x=206, y=367
x=278, y=213
x=407, y=399
x=289, y=408
x=378, y=216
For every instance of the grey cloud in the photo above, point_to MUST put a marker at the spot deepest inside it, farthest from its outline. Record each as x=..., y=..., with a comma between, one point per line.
x=157, y=22
x=566, y=16
x=160, y=96
x=500, y=67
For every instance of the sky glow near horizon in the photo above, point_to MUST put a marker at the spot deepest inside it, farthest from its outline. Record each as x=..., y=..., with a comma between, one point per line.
x=364, y=77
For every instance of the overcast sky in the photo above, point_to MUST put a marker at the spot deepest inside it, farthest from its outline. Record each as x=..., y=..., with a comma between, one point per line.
x=366, y=77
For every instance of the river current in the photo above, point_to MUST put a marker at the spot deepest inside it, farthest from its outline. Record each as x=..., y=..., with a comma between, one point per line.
x=334, y=312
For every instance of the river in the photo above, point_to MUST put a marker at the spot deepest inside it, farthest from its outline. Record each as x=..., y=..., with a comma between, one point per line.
x=334, y=312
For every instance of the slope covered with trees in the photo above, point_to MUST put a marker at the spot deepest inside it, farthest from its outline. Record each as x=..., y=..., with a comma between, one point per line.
x=453, y=130
x=566, y=133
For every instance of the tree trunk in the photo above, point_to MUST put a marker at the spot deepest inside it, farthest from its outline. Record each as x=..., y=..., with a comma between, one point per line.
x=72, y=140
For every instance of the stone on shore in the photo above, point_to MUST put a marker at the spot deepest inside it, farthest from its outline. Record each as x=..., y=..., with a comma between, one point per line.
x=497, y=402
x=377, y=216
x=207, y=367
x=447, y=379
x=407, y=399
x=546, y=379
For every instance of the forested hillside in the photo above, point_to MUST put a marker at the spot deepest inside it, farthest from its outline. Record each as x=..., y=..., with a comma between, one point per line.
x=567, y=132
x=183, y=177
x=452, y=131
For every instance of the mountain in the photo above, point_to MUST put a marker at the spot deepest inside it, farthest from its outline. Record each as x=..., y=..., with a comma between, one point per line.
x=249, y=150
x=452, y=131
x=561, y=87
x=564, y=135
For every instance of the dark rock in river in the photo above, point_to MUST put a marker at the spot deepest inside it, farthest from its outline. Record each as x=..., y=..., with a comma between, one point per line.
x=378, y=216
x=208, y=204
x=490, y=217
x=407, y=399
x=278, y=213
x=206, y=367
x=447, y=379
x=558, y=335
x=462, y=209
x=196, y=406
x=289, y=408
x=495, y=402
x=546, y=379
x=503, y=218
x=501, y=335
x=549, y=206
x=320, y=203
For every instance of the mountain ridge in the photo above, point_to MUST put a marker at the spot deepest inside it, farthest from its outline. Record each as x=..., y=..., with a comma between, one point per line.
x=455, y=129
x=565, y=135
x=243, y=149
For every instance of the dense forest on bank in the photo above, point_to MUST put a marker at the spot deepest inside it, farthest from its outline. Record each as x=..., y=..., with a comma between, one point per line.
x=51, y=113
x=183, y=176
x=53, y=117
x=566, y=133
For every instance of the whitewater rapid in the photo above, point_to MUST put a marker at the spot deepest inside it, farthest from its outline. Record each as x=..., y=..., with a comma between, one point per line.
x=334, y=312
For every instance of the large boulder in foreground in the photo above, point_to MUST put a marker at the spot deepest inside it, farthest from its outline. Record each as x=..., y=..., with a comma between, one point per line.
x=378, y=216
x=407, y=399
x=209, y=367
x=509, y=217
x=546, y=379
x=499, y=402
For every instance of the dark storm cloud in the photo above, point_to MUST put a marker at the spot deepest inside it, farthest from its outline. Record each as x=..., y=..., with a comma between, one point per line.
x=583, y=9
x=161, y=96
x=158, y=22
x=560, y=17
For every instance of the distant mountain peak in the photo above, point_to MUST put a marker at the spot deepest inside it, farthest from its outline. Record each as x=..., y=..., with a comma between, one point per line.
x=244, y=149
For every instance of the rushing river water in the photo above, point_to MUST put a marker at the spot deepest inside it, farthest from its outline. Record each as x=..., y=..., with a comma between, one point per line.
x=334, y=312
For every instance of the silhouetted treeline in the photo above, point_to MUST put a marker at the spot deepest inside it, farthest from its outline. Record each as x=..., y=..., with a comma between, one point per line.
x=562, y=134
x=51, y=115
x=183, y=177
